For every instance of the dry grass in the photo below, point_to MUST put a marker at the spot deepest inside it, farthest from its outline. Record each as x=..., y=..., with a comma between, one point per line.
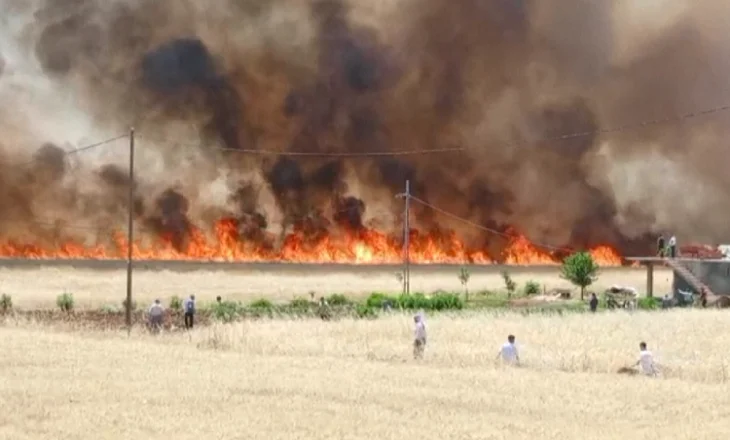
x=38, y=288
x=355, y=380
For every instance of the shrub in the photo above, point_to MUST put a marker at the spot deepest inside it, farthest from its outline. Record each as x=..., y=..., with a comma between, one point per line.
x=378, y=300
x=648, y=303
x=300, y=303
x=338, y=300
x=413, y=301
x=227, y=311
x=509, y=284
x=532, y=288
x=124, y=305
x=6, y=303
x=176, y=303
x=108, y=308
x=262, y=303
x=365, y=311
x=445, y=301
x=65, y=302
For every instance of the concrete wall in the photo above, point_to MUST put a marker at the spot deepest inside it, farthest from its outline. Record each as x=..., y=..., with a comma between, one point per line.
x=715, y=274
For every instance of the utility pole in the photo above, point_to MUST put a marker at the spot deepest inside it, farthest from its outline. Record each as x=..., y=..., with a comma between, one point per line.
x=130, y=232
x=406, y=239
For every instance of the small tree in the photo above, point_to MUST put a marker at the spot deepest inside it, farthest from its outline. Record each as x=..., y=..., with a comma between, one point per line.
x=509, y=284
x=532, y=288
x=581, y=270
x=464, y=276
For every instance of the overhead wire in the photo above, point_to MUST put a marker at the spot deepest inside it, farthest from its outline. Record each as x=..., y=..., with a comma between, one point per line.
x=384, y=153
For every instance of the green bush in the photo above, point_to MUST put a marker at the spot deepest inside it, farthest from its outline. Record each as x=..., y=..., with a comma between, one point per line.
x=176, y=303
x=365, y=311
x=417, y=301
x=65, y=302
x=262, y=304
x=413, y=301
x=445, y=301
x=108, y=308
x=648, y=303
x=338, y=300
x=6, y=303
x=377, y=300
x=227, y=311
x=300, y=304
x=532, y=288
x=124, y=304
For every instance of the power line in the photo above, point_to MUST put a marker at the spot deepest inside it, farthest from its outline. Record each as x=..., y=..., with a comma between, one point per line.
x=69, y=152
x=484, y=228
x=353, y=154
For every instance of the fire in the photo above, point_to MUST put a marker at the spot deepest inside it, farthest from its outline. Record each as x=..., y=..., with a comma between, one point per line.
x=365, y=246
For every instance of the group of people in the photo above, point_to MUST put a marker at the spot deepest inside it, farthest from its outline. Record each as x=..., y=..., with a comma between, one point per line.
x=665, y=249
x=510, y=356
x=156, y=313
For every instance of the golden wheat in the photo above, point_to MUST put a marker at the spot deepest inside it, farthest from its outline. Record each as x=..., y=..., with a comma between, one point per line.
x=355, y=379
x=38, y=288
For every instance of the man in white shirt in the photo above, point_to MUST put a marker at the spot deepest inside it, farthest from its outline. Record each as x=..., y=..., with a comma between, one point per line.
x=419, y=343
x=508, y=352
x=646, y=361
x=156, y=312
x=672, y=247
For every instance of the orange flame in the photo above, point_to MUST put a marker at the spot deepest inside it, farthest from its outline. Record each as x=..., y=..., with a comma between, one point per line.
x=366, y=246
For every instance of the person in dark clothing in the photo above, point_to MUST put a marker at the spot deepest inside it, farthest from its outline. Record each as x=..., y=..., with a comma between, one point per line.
x=189, y=309
x=660, y=244
x=593, y=303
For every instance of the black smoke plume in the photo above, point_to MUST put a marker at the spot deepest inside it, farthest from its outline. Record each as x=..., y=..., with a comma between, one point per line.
x=503, y=79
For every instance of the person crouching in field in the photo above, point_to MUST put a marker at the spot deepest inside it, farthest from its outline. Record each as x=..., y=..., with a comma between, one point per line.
x=646, y=361
x=419, y=342
x=508, y=352
x=156, y=313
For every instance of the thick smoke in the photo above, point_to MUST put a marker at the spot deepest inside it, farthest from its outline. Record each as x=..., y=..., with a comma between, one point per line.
x=499, y=78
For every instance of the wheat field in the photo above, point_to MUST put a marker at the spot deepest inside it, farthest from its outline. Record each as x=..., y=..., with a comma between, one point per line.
x=356, y=380
x=38, y=288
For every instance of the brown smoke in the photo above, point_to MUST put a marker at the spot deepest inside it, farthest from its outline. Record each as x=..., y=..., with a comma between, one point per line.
x=494, y=77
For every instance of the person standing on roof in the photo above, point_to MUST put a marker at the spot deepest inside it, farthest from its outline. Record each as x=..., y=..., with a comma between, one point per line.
x=660, y=244
x=189, y=309
x=672, y=247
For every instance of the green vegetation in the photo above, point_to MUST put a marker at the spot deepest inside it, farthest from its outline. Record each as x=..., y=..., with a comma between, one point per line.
x=649, y=303
x=532, y=288
x=509, y=284
x=464, y=276
x=176, y=303
x=65, y=302
x=133, y=305
x=6, y=303
x=581, y=270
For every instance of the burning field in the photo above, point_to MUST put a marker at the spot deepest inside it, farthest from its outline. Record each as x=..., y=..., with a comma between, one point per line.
x=283, y=130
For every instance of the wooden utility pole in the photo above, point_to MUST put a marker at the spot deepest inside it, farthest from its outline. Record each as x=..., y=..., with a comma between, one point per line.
x=130, y=232
x=406, y=239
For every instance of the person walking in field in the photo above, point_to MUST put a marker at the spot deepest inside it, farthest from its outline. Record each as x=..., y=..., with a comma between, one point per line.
x=189, y=309
x=508, y=352
x=156, y=313
x=419, y=342
x=646, y=361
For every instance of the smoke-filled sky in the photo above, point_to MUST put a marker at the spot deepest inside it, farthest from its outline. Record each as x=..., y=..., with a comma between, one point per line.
x=492, y=76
